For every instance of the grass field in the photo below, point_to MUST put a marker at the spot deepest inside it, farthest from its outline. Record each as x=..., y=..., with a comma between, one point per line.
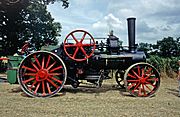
x=108, y=101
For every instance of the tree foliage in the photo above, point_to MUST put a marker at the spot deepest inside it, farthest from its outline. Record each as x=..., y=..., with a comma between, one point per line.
x=22, y=20
x=38, y=25
x=169, y=47
x=144, y=47
x=163, y=55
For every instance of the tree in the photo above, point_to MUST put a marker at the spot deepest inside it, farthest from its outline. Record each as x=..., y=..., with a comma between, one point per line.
x=144, y=47
x=178, y=44
x=38, y=25
x=168, y=47
x=22, y=20
x=9, y=14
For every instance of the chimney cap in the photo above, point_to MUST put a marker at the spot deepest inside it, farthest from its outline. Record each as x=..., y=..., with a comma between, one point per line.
x=131, y=18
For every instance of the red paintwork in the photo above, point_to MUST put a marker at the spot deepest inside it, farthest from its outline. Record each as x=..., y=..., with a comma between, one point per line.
x=78, y=45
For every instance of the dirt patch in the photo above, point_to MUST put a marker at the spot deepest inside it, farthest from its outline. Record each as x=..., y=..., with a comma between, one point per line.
x=88, y=101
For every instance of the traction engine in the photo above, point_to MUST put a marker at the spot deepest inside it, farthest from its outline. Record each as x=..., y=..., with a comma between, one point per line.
x=81, y=58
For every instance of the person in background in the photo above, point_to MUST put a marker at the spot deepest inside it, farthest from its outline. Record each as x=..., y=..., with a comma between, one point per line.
x=179, y=77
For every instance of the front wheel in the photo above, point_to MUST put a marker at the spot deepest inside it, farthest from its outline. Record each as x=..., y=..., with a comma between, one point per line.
x=42, y=74
x=120, y=78
x=142, y=80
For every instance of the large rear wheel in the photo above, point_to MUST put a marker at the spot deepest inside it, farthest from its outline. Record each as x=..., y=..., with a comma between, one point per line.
x=42, y=74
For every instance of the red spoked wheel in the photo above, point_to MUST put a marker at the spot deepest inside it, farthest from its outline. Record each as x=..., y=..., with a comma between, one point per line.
x=42, y=74
x=142, y=80
x=79, y=49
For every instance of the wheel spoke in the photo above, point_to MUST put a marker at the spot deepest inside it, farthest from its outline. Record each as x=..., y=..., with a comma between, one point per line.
x=135, y=74
x=151, y=84
x=142, y=75
x=87, y=45
x=74, y=37
x=68, y=46
x=32, y=85
x=53, y=83
x=30, y=69
x=26, y=81
x=74, y=55
x=51, y=66
x=47, y=64
x=37, y=87
x=83, y=37
x=144, y=90
x=43, y=88
x=37, y=61
x=35, y=66
x=84, y=52
x=138, y=70
x=130, y=86
x=148, y=76
x=30, y=74
x=132, y=80
x=49, y=90
x=140, y=92
x=59, y=67
x=56, y=80
x=131, y=75
x=54, y=74
x=148, y=87
x=43, y=62
x=136, y=87
x=149, y=70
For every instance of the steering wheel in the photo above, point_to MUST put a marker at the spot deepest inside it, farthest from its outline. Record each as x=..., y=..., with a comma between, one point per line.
x=79, y=49
x=24, y=49
x=13, y=1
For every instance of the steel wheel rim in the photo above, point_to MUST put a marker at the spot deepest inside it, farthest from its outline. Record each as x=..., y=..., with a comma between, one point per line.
x=142, y=80
x=79, y=46
x=42, y=74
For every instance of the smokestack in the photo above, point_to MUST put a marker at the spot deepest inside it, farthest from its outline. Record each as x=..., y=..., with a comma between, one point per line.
x=131, y=34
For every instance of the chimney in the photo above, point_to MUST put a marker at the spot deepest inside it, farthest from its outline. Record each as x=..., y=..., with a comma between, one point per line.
x=131, y=34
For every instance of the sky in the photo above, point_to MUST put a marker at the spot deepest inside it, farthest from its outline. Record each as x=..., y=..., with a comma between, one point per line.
x=155, y=19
